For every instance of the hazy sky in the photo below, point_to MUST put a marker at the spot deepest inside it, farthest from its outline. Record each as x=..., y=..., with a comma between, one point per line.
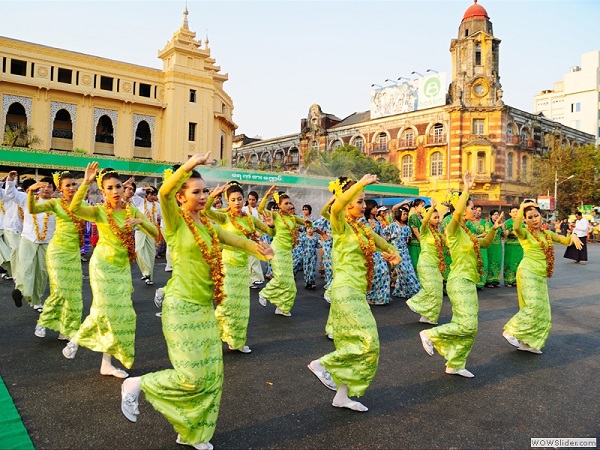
x=283, y=56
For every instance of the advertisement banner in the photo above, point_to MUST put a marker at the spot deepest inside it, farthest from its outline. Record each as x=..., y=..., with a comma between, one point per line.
x=546, y=202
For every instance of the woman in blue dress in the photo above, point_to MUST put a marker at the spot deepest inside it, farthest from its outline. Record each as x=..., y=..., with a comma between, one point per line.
x=407, y=283
x=380, y=292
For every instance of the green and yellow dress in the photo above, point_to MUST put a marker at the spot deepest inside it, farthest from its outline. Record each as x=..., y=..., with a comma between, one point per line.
x=64, y=306
x=189, y=394
x=478, y=228
x=414, y=246
x=356, y=356
x=110, y=326
x=233, y=313
x=494, y=254
x=281, y=290
x=532, y=324
x=513, y=254
x=454, y=340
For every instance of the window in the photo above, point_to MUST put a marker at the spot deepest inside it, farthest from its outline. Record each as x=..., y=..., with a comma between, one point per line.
x=524, y=168
x=510, y=131
x=381, y=145
x=575, y=107
x=18, y=67
x=106, y=83
x=192, y=95
x=192, y=131
x=65, y=76
x=478, y=126
x=337, y=143
x=509, y=166
x=437, y=134
x=315, y=145
x=480, y=162
x=145, y=90
x=407, y=166
x=477, y=54
x=408, y=139
x=359, y=143
x=437, y=164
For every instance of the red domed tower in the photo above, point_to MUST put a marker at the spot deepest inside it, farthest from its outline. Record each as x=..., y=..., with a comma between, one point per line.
x=475, y=61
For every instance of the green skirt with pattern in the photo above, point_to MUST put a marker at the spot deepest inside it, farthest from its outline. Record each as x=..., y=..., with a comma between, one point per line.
x=189, y=394
x=63, y=308
x=533, y=322
x=494, y=254
x=428, y=301
x=281, y=290
x=356, y=356
x=110, y=326
x=454, y=340
x=233, y=313
x=414, y=250
x=513, y=254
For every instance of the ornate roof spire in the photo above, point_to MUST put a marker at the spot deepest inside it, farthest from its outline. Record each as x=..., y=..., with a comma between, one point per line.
x=185, y=17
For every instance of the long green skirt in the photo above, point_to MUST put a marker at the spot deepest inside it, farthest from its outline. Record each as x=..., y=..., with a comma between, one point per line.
x=484, y=257
x=233, y=313
x=356, y=356
x=494, y=254
x=513, y=254
x=414, y=250
x=533, y=322
x=281, y=290
x=63, y=308
x=454, y=340
x=110, y=326
x=428, y=301
x=189, y=395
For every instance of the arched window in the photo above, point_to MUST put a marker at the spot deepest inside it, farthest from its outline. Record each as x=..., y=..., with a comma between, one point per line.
x=407, y=166
x=437, y=164
x=382, y=143
x=62, y=126
x=143, y=135
x=478, y=54
x=315, y=145
x=437, y=134
x=104, y=130
x=359, y=143
x=408, y=138
x=524, y=168
x=509, y=166
x=335, y=144
x=480, y=162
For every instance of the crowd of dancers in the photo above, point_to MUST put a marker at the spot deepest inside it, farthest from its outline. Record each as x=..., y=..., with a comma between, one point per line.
x=215, y=256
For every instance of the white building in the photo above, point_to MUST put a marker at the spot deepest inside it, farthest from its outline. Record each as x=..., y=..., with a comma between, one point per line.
x=575, y=101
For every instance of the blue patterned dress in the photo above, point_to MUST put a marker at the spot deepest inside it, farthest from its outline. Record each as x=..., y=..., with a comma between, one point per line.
x=407, y=283
x=380, y=292
x=324, y=225
x=311, y=247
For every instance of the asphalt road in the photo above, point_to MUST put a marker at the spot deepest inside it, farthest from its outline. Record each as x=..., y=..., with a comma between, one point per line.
x=271, y=400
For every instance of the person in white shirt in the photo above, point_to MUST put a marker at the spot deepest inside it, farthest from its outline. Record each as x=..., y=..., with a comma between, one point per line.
x=582, y=226
x=256, y=273
x=31, y=275
x=145, y=245
x=4, y=247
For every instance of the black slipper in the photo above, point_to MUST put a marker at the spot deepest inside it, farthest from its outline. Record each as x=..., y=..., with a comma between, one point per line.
x=17, y=297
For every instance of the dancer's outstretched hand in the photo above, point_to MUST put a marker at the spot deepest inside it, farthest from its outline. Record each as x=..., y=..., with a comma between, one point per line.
x=268, y=218
x=369, y=178
x=576, y=241
x=392, y=258
x=499, y=221
x=218, y=190
x=90, y=173
x=265, y=249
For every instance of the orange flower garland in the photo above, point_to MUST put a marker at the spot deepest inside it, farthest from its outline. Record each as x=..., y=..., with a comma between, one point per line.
x=214, y=258
x=476, y=248
x=547, y=247
x=151, y=215
x=249, y=233
x=439, y=245
x=21, y=213
x=367, y=249
x=36, y=227
x=2, y=207
x=125, y=234
x=79, y=223
x=293, y=231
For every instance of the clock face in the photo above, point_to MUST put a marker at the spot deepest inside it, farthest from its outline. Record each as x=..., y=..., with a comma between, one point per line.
x=479, y=89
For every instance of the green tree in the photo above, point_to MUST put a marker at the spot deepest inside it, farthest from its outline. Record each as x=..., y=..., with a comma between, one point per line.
x=20, y=136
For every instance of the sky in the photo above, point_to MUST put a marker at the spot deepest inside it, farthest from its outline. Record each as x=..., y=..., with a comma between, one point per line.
x=283, y=56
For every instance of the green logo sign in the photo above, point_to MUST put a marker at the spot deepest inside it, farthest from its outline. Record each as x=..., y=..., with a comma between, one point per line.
x=432, y=87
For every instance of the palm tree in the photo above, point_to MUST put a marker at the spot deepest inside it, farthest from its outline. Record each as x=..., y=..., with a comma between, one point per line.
x=20, y=135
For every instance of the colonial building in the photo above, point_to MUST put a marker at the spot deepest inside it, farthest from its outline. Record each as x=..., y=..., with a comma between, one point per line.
x=575, y=99
x=86, y=104
x=434, y=135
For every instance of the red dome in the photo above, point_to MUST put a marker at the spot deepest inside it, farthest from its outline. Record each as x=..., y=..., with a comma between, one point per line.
x=475, y=11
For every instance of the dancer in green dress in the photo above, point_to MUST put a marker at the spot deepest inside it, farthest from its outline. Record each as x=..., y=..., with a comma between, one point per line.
x=494, y=253
x=528, y=330
x=233, y=313
x=414, y=222
x=513, y=252
x=478, y=227
x=189, y=394
x=352, y=366
x=63, y=308
x=110, y=326
x=428, y=301
x=454, y=340
x=281, y=290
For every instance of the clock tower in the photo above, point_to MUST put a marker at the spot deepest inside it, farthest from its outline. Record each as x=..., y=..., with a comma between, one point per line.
x=475, y=62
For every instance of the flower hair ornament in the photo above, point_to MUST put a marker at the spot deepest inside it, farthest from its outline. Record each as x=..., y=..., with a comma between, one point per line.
x=234, y=183
x=336, y=187
x=57, y=176
x=167, y=173
x=101, y=176
x=452, y=198
x=276, y=197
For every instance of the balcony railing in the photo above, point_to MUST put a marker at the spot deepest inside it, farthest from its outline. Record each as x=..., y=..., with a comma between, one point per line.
x=436, y=139
x=62, y=134
x=105, y=138
x=380, y=148
x=406, y=143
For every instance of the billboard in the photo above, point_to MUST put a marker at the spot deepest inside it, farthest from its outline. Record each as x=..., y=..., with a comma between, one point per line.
x=546, y=202
x=422, y=93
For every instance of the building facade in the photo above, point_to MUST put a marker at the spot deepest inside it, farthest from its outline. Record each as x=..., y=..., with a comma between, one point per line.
x=86, y=104
x=472, y=129
x=575, y=101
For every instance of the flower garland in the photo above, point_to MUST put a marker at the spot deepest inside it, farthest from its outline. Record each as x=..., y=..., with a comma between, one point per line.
x=547, y=247
x=125, y=234
x=21, y=213
x=152, y=213
x=36, y=227
x=367, y=249
x=2, y=207
x=214, y=258
x=293, y=231
x=439, y=245
x=249, y=233
x=476, y=248
x=79, y=223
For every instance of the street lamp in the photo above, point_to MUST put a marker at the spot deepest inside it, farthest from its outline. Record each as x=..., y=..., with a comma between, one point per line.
x=556, y=183
x=415, y=72
x=432, y=70
x=377, y=85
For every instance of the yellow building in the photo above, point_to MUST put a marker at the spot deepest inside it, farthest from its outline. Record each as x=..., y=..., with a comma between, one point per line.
x=83, y=103
x=433, y=134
